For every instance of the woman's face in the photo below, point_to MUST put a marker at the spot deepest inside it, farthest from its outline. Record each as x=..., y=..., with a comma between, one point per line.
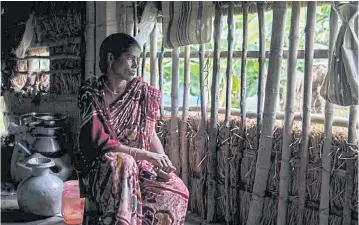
x=126, y=64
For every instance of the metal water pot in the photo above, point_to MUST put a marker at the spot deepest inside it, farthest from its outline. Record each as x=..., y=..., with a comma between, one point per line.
x=41, y=192
x=47, y=144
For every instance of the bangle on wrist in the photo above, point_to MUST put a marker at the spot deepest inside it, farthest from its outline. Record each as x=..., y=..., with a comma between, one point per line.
x=130, y=151
x=135, y=153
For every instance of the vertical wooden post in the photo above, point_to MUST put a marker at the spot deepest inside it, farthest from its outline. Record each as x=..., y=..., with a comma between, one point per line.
x=174, y=150
x=212, y=165
x=308, y=83
x=269, y=115
x=349, y=184
x=90, y=40
x=328, y=120
x=227, y=120
x=203, y=177
x=289, y=116
x=160, y=74
x=153, y=57
x=143, y=66
x=261, y=61
x=135, y=22
x=187, y=83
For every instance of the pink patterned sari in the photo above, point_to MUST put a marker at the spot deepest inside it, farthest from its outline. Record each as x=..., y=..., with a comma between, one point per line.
x=119, y=189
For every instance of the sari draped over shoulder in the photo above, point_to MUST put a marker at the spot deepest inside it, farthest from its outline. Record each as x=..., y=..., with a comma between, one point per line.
x=120, y=189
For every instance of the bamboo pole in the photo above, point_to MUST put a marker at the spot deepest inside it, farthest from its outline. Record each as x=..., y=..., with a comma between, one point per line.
x=160, y=74
x=269, y=115
x=289, y=116
x=153, y=57
x=308, y=83
x=203, y=177
x=351, y=157
x=243, y=128
x=184, y=144
x=327, y=145
x=212, y=165
x=143, y=66
x=261, y=61
x=243, y=69
x=227, y=119
x=174, y=153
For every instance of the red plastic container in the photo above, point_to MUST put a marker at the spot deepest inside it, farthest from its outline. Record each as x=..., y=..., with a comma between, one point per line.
x=72, y=205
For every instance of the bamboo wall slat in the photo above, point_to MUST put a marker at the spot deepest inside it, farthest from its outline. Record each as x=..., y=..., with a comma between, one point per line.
x=174, y=154
x=262, y=73
x=289, y=117
x=351, y=159
x=204, y=133
x=227, y=119
x=160, y=80
x=212, y=163
x=272, y=90
x=184, y=140
x=153, y=56
x=327, y=145
x=308, y=83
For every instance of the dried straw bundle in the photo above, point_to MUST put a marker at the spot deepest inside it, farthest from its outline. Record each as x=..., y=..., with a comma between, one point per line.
x=242, y=171
x=61, y=26
x=65, y=83
x=65, y=64
x=70, y=49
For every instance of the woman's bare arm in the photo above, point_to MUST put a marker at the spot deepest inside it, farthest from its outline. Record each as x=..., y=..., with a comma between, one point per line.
x=156, y=145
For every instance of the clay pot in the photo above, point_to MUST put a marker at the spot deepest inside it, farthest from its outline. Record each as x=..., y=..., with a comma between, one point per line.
x=40, y=193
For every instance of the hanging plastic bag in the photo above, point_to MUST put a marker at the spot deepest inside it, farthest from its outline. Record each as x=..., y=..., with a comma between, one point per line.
x=148, y=21
x=341, y=84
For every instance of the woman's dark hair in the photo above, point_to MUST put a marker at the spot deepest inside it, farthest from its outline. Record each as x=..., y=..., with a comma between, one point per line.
x=116, y=44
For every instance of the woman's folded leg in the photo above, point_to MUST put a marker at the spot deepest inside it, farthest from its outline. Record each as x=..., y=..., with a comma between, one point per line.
x=164, y=203
x=116, y=190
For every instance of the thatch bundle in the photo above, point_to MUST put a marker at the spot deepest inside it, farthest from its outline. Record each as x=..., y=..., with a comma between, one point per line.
x=242, y=171
x=65, y=82
x=73, y=49
x=65, y=64
x=61, y=26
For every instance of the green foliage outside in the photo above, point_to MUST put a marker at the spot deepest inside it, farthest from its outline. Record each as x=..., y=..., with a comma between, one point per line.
x=321, y=42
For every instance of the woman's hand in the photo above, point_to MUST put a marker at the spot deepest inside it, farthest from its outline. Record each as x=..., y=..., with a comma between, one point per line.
x=160, y=160
x=164, y=175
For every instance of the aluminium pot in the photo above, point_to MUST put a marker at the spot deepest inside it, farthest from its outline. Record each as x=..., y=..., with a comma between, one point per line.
x=38, y=130
x=47, y=144
x=51, y=120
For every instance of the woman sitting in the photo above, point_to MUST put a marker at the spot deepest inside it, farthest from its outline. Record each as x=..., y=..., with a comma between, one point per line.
x=125, y=172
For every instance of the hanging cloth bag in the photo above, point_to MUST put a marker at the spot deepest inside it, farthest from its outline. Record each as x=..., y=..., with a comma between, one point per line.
x=341, y=84
x=186, y=23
